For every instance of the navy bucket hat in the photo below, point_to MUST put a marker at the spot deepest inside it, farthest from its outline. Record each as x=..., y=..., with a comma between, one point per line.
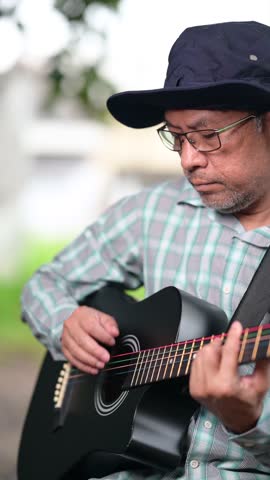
x=213, y=67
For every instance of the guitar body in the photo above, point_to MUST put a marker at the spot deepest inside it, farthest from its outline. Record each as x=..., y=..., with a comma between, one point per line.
x=101, y=428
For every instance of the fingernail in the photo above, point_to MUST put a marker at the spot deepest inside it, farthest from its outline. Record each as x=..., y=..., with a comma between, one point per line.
x=100, y=365
x=105, y=357
x=237, y=325
x=115, y=331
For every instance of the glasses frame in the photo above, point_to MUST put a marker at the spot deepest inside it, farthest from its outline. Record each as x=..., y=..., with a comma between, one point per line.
x=217, y=131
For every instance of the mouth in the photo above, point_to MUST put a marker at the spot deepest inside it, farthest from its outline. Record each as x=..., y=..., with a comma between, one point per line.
x=206, y=186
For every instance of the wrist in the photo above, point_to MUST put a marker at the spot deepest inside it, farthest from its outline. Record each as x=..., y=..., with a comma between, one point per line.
x=243, y=424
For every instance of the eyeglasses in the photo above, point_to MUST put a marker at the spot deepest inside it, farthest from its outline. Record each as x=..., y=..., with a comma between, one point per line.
x=206, y=140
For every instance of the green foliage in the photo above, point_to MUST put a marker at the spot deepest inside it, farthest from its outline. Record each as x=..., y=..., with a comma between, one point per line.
x=74, y=9
x=84, y=85
x=81, y=84
x=15, y=335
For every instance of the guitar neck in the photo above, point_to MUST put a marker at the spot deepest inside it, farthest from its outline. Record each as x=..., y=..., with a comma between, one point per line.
x=172, y=361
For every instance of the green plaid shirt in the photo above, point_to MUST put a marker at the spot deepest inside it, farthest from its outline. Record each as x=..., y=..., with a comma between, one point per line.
x=163, y=236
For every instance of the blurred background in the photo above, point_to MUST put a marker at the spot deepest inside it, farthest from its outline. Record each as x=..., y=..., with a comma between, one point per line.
x=62, y=158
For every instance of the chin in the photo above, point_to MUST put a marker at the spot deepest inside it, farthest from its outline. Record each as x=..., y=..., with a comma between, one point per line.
x=234, y=203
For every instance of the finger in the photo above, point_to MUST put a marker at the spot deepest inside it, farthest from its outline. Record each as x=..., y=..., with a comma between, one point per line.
x=80, y=365
x=86, y=349
x=261, y=376
x=205, y=368
x=230, y=351
x=100, y=326
x=209, y=356
x=108, y=323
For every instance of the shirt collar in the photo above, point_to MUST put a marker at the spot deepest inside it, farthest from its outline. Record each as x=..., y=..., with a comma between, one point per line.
x=259, y=237
x=189, y=195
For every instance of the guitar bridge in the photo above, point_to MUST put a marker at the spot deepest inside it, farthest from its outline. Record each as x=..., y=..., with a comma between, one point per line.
x=60, y=394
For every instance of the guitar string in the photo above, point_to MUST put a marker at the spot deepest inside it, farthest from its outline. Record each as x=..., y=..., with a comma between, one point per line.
x=173, y=374
x=174, y=355
x=160, y=356
x=185, y=351
x=186, y=345
x=251, y=332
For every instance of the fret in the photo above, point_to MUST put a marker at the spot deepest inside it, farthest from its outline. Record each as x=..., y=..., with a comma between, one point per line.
x=170, y=361
x=263, y=345
x=268, y=350
x=257, y=341
x=256, y=345
x=144, y=366
x=167, y=363
x=173, y=361
x=199, y=347
x=190, y=357
x=137, y=381
x=243, y=345
x=151, y=352
x=155, y=365
x=181, y=360
x=201, y=343
x=161, y=363
x=133, y=381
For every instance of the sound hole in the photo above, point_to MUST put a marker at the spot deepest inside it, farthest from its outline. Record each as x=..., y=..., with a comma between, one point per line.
x=109, y=394
x=114, y=379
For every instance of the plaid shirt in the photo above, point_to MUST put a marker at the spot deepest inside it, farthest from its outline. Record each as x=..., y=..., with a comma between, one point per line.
x=163, y=236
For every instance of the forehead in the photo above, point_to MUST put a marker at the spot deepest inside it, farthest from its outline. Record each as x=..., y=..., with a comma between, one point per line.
x=202, y=118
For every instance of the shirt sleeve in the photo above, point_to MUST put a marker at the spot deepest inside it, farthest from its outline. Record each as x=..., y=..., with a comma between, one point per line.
x=110, y=250
x=257, y=440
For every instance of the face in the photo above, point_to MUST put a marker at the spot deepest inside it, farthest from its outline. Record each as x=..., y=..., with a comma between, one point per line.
x=235, y=178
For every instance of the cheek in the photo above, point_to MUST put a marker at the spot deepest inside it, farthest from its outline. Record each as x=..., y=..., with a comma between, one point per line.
x=234, y=177
x=243, y=163
x=236, y=168
x=244, y=176
x=230, y=173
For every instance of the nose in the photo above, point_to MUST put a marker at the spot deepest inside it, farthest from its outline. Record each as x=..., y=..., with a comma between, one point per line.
x=191, y=158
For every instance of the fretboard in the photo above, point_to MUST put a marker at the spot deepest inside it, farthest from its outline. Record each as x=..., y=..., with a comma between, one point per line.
x=172, y=361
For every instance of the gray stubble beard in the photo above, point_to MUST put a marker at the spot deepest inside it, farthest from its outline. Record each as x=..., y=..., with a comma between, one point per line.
x=235, y=203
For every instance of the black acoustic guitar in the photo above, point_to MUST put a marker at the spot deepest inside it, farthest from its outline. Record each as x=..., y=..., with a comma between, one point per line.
x=136, y=411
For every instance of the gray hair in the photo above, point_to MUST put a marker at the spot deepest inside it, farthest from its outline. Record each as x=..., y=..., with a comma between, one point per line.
x=259, y=122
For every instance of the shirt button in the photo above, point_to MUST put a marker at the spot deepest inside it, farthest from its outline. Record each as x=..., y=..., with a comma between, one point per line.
x=226, y=289
x=194, y=463
x=208, y=424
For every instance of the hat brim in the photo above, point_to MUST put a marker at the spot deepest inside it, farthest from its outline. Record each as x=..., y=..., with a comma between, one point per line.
x=146, y=108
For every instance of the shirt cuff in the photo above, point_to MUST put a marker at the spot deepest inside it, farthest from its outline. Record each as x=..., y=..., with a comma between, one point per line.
x=256, y=440
x=55, y=345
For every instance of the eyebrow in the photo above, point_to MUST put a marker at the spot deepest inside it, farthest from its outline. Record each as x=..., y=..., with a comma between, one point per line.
x=202, y=122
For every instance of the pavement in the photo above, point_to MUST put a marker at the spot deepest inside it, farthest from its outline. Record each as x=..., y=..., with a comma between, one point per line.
x=17, y=378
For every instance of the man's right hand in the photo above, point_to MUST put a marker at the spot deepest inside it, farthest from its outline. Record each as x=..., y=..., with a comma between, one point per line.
x=83, y=333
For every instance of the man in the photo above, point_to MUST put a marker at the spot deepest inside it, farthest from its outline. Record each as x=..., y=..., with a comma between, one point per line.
x=205, y=234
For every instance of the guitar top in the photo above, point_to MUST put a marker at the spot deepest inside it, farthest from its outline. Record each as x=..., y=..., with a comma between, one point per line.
x=135, y=413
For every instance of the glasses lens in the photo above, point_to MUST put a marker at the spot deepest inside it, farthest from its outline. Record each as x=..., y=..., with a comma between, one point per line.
x=171, y=141
x=201, y=140
x=204, y=140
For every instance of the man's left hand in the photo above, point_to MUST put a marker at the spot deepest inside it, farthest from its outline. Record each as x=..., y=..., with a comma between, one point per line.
x=215, y=383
